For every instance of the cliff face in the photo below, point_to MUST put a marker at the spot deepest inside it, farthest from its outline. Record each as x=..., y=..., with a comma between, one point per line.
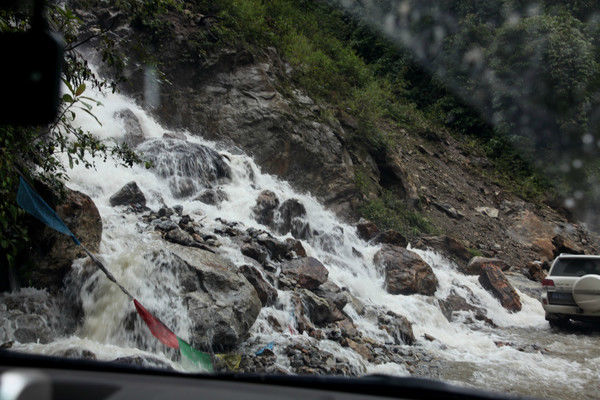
x=245, y=98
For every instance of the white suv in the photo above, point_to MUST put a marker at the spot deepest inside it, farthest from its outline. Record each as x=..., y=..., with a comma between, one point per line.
x=572, y=289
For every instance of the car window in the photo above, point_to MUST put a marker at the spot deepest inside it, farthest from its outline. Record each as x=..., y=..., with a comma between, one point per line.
x=575, y=267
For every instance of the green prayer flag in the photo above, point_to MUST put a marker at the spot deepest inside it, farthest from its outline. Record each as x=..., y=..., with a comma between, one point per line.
x=197, y=357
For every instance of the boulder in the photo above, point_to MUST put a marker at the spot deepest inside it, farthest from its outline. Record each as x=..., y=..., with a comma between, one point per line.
x=211, y=196
x=222, y=304
x=564, y=245
x=397, y=326
x=306, y=272
x=534, y=271
x=366, y=230
x=405, y=271
x=296, y=246
x=254, y=251
x=332, y=292
x=450, y=247
x=264, y=210
x=391, y=237
x=474, y=267
x=53, y=253
x=188, y=167
x=266, y=293
x=319, y=310
x=133, y=134
x=494, y=281
x=544, y=248
x=128, y=195
x=292, y=219
x=144, y=361
x=488, y=211
x=179, y=236
x=456, y=303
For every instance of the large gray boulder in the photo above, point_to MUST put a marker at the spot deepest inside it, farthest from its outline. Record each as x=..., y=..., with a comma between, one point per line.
x=53, y=253
x=128, y=195
x=306, y=272
x=405, y=271
x=222, y=305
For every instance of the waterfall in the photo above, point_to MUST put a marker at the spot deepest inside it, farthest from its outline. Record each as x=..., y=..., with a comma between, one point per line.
x=185, y=166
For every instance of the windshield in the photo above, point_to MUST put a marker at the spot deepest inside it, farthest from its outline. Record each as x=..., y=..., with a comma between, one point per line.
x=576, y=267
x=308, y=188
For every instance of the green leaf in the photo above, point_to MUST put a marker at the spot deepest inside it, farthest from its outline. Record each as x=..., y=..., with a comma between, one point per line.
x=80, y=89
x=67, y=98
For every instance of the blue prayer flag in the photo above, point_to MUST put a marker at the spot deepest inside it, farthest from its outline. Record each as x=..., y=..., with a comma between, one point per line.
x=31, y=202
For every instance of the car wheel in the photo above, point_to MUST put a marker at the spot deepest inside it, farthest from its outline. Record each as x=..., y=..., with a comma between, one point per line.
x=557, y=321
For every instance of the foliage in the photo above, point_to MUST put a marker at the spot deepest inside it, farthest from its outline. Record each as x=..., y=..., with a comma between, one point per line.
x=389, y=211
x=38, y=152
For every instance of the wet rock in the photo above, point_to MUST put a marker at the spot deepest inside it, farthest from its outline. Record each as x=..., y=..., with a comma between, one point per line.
x=334, y=293
x=405, y=271
x=188, y=167
x=494, y=281
x=128, y=195
x=76, y=353
x=212, y=197
x=266, y=293
x=564, y=245
x=165, y=226
x=174, y=135
x=366, y=230
x=296, y=247
x=133, y=134
x=179, y=236
x=165, y=212
x=53, y=253
x=450, y=247
x=474, y=267
x=361, y=349
x=264, y=210
x=254, y=251
x=178, y=208
x=319, y=310
x=291, y=219
x=144, y=361
x=534, y=271
x=222, y=305
x=456, y=303
x=306, y=272
x=397, y=326
x=391, y=237
x=278, y=251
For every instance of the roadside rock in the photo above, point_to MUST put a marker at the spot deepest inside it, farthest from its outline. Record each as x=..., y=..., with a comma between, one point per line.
x=130, y=194
x=564, y=245
x=264, y=210
x=488, y=211
x=144, y=361
x=544, y=248
x=405, y=271
x=332, y=292
x=366, y=230
x=266, y=293
x=307, y=272
x=53, y=253
x=475, y=266
x=494, y=281
x=534, y=271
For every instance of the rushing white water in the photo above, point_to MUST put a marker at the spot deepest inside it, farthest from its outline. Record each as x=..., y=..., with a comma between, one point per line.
x=468, y=347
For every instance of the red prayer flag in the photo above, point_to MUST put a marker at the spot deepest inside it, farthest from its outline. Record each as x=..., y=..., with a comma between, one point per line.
x=158, y=329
